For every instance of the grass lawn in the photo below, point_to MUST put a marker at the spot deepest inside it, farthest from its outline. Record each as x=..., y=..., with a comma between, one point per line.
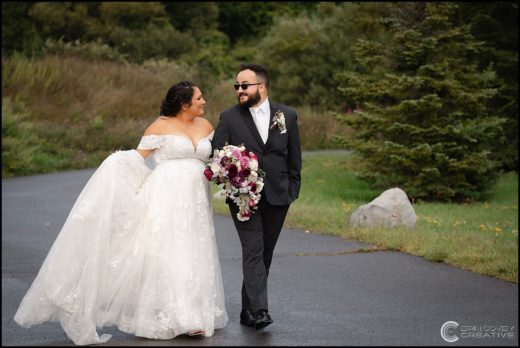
x=480, y=237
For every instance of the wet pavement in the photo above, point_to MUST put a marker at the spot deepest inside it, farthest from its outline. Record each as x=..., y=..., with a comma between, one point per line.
x=321, y=291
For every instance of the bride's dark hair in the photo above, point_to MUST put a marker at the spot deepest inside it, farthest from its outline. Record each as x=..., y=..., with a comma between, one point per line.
x=179, y=94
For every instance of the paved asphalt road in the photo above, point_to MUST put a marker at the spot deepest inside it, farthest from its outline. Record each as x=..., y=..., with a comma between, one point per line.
x=319, y=293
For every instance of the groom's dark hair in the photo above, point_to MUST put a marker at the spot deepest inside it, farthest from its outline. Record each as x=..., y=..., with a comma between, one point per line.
x=259, y=70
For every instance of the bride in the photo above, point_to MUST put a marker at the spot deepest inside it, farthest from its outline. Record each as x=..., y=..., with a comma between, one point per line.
x=138, y=248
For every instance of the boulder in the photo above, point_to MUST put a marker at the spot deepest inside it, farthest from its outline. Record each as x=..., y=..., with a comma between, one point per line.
x=390, y=209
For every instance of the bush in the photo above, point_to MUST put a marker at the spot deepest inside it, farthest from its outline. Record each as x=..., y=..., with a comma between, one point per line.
x=303, y=53
x=93, y=50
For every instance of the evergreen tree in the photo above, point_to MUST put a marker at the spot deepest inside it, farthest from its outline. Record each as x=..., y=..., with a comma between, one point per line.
x=496, y=24
x=423, y=121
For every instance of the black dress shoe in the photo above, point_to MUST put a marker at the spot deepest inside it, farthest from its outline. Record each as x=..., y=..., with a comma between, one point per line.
x=247, y=317
x=262, y=319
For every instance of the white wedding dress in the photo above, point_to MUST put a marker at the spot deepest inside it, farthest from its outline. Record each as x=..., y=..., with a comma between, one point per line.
x=137, y=250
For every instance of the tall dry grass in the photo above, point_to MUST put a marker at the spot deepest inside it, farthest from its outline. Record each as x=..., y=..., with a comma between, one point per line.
x=81, y=109
x=72, y=89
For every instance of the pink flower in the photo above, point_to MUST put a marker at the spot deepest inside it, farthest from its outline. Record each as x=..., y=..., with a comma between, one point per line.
x=236, y=153
x=244, y=162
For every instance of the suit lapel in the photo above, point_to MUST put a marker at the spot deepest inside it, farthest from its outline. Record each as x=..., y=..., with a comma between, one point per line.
x=250, y=123
x=272, y=130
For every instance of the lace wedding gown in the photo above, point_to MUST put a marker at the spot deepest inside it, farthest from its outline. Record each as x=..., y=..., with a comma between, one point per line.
x=137, y=250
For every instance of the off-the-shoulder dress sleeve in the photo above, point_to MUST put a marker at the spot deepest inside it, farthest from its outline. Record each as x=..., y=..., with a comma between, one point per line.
x=150, y=142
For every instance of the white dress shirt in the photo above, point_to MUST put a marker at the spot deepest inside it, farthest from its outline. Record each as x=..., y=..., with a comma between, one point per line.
x=261, y=116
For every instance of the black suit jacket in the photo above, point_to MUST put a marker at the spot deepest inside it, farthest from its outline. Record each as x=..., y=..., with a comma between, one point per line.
x=280, y=157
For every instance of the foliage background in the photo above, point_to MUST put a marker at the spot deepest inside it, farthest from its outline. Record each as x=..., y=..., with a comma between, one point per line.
x=82, y=79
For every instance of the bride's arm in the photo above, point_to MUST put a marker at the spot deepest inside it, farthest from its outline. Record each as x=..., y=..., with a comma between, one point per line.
x=144, y=153
x=155, y=128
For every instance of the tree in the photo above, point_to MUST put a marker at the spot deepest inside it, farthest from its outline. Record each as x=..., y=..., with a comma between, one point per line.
x=496, y=24
x=251, y=20
x=303, y=52
x=136, y=30
x=423, y=121
x=133, y=15
x=213, y=55
x=63, y=20
x=194, y=17
x=18, y=29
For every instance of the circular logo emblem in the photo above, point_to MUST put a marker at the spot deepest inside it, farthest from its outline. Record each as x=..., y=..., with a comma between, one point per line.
x=447, y=331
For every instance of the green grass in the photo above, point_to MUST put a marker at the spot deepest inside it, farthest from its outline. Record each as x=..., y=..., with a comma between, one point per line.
x=480, y=237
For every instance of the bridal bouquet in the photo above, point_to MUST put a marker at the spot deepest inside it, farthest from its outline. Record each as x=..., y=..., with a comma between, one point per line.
x=236, y=171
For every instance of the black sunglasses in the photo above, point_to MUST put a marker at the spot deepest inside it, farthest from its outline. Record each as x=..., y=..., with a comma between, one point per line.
x=244, y=85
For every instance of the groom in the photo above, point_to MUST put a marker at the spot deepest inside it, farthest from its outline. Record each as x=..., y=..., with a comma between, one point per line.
x=269, y=130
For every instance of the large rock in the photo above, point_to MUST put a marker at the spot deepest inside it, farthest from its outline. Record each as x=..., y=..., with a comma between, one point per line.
x=391, y=209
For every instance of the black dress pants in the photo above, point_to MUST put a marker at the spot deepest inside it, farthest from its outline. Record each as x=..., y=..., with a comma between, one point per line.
x=258, y=237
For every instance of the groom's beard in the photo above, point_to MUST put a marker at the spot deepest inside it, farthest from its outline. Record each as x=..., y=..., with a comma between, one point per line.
x=251, y=101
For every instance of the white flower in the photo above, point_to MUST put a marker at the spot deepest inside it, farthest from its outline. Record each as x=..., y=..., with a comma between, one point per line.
x=279, y=120
x=253, y=165
x=215, y=168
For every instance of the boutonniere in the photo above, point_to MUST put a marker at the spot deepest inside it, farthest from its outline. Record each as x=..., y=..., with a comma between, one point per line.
x=279, y=120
